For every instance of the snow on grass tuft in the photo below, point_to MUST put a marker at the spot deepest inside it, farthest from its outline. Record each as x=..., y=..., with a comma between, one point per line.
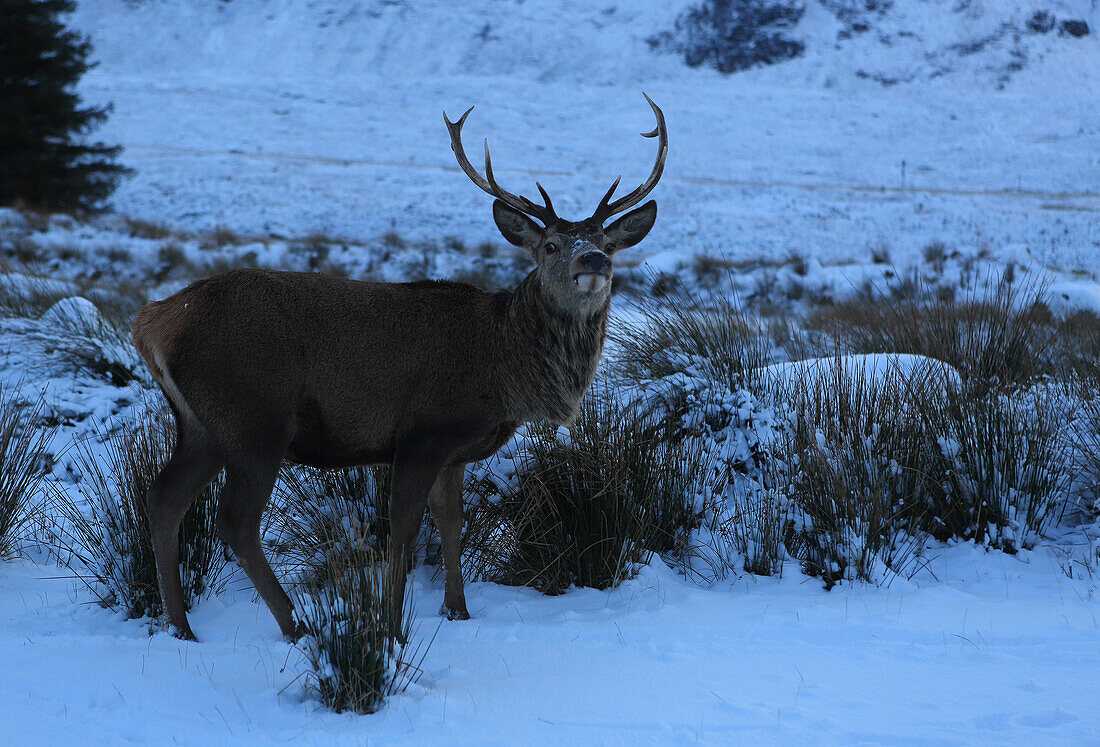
x=325, y=519
x=354, y=653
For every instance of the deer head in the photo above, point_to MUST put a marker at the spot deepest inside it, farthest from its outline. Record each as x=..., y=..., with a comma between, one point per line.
x=573, y=259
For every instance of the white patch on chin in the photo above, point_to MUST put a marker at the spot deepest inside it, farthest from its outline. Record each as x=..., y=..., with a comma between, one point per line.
x=590, y=282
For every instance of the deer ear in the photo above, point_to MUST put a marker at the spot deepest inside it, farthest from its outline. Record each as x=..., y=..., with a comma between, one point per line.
x=632, y=227
x=515, y=226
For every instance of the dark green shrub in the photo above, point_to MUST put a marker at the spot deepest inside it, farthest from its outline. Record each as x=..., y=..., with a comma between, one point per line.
x=45, y=161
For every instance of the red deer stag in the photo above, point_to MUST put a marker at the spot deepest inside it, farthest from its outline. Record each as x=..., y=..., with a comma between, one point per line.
x=261, y=366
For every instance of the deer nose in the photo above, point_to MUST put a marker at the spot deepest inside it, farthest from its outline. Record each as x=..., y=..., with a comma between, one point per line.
x=595, y=261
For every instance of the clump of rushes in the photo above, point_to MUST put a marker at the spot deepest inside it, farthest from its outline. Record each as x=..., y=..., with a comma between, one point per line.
x=23, y=464
x=354, y=653
x=710, y=334
x=857, y=478
x=997, y=338
x=1006, y=467
x=104, y=536
x=322, y=516
x=588, y=506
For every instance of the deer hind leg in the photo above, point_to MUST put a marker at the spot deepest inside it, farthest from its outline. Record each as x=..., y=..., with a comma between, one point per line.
x=415, y=470
x=445, y=503
x=194, y=463
x=248, y=485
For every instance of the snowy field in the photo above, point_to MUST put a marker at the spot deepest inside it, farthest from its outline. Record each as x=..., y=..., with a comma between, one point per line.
x=279, y=119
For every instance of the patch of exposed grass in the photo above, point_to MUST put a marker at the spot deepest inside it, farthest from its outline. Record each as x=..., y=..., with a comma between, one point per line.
x=997, y=340
x=145, y=229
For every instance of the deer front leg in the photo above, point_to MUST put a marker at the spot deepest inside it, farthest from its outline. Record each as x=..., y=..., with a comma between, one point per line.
x=445, y=503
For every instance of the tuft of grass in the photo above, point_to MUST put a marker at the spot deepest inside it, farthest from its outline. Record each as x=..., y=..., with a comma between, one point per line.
x=996, y=340
x=29, y=296
x=103, y=536
x=935, y=254
x=1005, y=465
x=586, y=509
x=856, y=473
x=349, y=641
x=709, y=269
x=713, y=335
x=145, y=229
x=222, y=263
x=394, y=240
x=23, y=464
x=1078, y=349
x=325, y=519
x=172, y=262
x=221, y=236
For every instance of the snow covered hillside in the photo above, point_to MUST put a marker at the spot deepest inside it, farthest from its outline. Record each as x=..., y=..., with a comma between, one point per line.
x=923, y=178
x=290, y=117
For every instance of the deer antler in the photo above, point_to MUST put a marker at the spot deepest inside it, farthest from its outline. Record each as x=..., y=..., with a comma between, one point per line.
x=605, y=210
x=544, y=213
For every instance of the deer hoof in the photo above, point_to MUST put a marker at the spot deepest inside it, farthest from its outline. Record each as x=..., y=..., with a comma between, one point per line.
x=299, y=631
x=454, y=614
x=184, y=633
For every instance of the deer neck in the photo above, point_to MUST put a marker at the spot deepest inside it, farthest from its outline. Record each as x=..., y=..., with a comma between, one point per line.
x=549, y=354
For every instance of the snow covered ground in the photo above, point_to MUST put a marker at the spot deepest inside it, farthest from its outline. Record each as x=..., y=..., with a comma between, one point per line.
x=288, y=117
x=978, y=649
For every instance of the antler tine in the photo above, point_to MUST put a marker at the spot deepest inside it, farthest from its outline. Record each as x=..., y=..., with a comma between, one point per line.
x=489, y=185
x=519, y=202
x=605, y=210
x=607, y=196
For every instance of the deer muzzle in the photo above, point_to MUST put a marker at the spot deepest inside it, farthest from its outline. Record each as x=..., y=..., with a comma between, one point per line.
x=593, y=271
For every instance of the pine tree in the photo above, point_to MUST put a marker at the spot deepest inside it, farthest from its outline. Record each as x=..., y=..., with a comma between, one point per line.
x=45, y=161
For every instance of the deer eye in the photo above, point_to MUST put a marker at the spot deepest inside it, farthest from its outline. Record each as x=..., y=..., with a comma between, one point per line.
x=550, y=247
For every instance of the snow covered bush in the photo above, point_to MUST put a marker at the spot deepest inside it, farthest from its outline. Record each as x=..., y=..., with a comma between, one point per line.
x=23, y=443
x=732, y=35
x=325, y=519
x=104, y=535
x=586, y=505
x=355, y=656
x=996, y=337
x=91, y=342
